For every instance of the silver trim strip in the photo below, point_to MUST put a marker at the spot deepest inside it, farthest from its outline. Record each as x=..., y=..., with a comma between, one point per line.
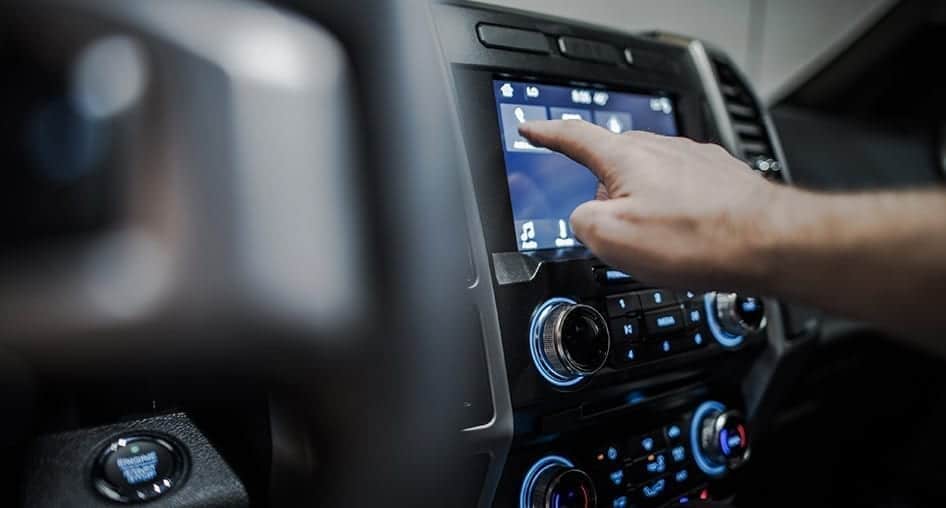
x=495, y=436
x=714, y=96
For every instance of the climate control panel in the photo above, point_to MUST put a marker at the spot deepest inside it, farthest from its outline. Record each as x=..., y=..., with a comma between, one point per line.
x=668, y=465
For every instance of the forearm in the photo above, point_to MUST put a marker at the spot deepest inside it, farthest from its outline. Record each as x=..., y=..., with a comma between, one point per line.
x=879, y=257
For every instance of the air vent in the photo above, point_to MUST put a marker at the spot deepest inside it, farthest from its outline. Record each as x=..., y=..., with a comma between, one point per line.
x=754, y=140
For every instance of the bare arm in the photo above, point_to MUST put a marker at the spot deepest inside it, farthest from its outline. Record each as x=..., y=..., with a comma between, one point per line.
x=689, y=215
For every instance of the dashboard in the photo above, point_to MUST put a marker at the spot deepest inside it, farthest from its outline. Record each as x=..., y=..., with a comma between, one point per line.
x=305, y=251
x=619, y=394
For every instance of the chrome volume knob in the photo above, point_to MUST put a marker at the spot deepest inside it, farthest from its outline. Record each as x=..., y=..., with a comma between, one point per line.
x=570, y=341
x=739, y=315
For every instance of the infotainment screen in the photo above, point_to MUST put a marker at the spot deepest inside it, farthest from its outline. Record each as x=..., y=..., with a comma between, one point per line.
x=545, y=187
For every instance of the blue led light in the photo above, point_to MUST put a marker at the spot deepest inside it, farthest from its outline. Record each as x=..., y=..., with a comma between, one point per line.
x=612, y=453
x=673, y=431
x=654, y=490
x=724, y=442
x=630, y=354
x=665, y=321
x=616, y=275
x=619, y=502
x=635, y=397
x=525, y=492
x=535, y=345
x=681, y=476
x=647, y=444
x=658, y=465
x=679, y=453
x=705, y=464
x=666, y=346
x=725, y=338
x=683, y=500
x=617, y=477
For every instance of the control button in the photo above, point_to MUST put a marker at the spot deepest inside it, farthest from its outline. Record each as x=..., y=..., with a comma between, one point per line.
x=720, y=440
x=731, y=317
x=619, y=502
x=697, y=340
x=678, y=454
x=673, y=433
x=494, y=36
x=628, y=355
x=654, y=491
x=681, y=477
x=621, y=305
x=694, y=316
x=625, y=329
x=617, y=477
x=656, y=298
x=668, y=321
x=645, y=445
x=569, y=341
x=139, y=468
x=608, y=454
x=603, y=274
x=653, y=464
x=667, y=347
x=584, y=49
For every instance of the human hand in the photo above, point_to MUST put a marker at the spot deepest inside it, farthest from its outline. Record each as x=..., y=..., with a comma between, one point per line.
x=670, y=211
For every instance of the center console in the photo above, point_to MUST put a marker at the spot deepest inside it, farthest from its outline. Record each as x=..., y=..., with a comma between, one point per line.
x=605, y=390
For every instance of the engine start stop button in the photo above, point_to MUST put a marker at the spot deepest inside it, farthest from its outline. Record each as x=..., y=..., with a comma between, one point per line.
x=139, y=468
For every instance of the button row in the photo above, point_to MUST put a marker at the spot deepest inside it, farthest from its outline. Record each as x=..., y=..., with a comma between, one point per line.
x=632, y=303
x=661, y=490
x=630, y=354
x=668, y=321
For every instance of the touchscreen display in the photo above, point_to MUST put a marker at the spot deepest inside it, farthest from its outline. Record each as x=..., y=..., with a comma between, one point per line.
x=545, y=187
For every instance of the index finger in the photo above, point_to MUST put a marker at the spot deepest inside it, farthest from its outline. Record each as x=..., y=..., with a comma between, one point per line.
x=581, y=141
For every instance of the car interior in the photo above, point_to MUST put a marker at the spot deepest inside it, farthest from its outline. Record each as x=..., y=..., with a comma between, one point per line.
x=296, y=253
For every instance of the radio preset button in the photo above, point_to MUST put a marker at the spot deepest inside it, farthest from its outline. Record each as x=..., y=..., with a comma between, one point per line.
x=694, y=316
x=628, y=355
x=621, y=305
x=655, y=298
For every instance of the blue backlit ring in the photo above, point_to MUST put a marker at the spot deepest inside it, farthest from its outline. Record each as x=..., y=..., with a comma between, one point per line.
x=535, y=344
x=696, y=428
x=543, y=464
x=725, y=338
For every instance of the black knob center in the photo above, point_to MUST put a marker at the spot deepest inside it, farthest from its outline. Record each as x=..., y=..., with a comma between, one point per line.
x=750, y=310
x=584, y=339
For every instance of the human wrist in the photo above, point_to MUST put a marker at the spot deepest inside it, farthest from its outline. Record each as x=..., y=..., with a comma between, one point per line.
x=774, y=229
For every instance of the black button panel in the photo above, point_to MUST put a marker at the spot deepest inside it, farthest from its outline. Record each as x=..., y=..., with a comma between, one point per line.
x=139, y=468
x=654, y=324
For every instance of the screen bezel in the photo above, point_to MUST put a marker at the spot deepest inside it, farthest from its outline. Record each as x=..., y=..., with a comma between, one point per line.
x=482, y=136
